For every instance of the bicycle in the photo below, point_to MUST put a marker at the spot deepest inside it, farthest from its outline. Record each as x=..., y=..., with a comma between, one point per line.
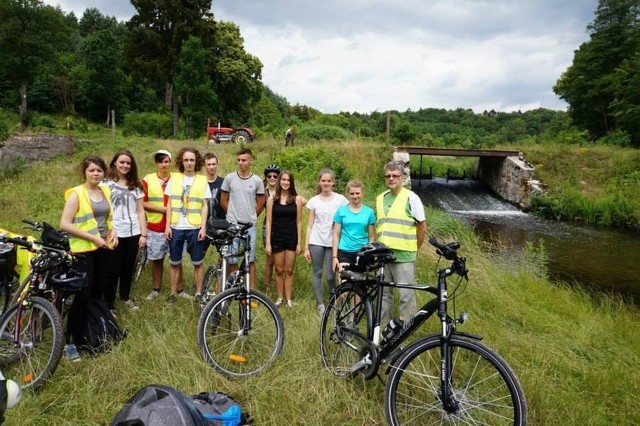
x=31, y=329
x=447, y=377
x=240, y=331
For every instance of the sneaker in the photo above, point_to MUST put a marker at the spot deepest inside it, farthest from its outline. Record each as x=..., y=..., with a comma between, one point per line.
x=154, y=294
x=71, y=352
x=129, y=304
x=289, y=304
x=321, y=309
x=279, y=302
x=172, y=298
x=185, y=295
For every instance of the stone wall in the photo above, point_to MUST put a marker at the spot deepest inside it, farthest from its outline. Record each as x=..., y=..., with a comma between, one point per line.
x=512, y=178
x=27, y=149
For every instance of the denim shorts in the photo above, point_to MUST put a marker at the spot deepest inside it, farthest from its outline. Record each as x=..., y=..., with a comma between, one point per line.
x=237, y=248
x=195, y=248
x=157, y=245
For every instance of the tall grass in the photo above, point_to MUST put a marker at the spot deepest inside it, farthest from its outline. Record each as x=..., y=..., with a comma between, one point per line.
x=576, y=355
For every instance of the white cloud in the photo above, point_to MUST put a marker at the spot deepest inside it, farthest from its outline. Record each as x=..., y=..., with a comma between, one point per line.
x=368, y=55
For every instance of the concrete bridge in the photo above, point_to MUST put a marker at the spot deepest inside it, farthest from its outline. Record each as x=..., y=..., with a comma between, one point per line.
x=505, y=172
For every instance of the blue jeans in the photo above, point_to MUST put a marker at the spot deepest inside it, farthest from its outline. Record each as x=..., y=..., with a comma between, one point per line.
x=195, y=248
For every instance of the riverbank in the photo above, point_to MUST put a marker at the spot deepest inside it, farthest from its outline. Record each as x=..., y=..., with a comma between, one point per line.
x=575, y=355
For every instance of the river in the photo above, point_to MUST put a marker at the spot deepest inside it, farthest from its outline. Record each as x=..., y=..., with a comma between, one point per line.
x=598, y=259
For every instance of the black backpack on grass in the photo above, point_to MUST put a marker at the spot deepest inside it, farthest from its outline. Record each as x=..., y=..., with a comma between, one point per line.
x=101, y=330
x=158, y=405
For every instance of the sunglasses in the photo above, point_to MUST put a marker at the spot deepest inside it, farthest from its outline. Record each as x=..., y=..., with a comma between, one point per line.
x=392, y=176
x=272, y=176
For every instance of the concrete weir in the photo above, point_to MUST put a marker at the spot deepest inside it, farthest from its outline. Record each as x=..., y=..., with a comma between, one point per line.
x=506, y=173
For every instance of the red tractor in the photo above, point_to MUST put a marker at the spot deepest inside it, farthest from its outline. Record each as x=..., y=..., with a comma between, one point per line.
x=239, y=135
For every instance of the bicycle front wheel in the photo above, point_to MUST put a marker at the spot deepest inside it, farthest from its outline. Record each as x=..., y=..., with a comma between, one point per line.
x=35, y=356
x=484, y=389
x=240, y=334
x=141, y=263
x=345, y=329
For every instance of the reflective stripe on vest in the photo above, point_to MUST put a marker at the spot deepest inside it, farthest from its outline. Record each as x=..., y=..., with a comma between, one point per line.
x=191, y=205
x=84, y=218
x=396, y=229
x=155, y=197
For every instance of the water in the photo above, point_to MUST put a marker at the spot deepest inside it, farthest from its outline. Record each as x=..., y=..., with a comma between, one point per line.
x=599, y=259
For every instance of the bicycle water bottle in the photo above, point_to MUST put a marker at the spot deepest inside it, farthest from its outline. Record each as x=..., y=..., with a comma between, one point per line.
x=391, y=329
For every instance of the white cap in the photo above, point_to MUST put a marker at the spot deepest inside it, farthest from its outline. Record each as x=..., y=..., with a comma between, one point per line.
x=163, y=152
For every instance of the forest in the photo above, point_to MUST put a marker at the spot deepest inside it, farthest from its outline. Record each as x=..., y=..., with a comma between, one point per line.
x=173, y=66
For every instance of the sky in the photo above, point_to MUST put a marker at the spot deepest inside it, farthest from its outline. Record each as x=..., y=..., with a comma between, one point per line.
x=379, y=55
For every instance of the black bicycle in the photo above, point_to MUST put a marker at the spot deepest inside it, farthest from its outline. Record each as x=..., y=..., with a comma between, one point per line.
x=443, y=378
x=31, y=328
x=240, y=331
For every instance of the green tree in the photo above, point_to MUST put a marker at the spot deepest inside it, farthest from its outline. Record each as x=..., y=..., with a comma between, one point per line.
x=193, y=86
x=590, y=85
x=236, y=75
x=31, y=34
x=156, y=34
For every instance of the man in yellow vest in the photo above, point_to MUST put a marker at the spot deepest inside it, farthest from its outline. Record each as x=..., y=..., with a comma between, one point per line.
x=189, y=195
x=401, y=226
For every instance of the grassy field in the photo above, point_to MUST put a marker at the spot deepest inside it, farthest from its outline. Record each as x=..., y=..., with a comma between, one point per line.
x=576, y=356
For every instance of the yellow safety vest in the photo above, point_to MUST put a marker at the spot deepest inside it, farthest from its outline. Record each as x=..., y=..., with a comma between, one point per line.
x=23, y=256
x=84, y=218
x=396, y=229
x=155, y=197
x=192, y=201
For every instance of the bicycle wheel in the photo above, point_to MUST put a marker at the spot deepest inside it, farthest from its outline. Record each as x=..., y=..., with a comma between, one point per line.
x=345, y=330
x=141, y=263
x=35, y=357
x=232, y=344
x=485, y=389
x=210, y=285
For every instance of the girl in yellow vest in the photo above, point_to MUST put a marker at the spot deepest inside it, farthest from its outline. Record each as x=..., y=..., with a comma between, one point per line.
x=87, y=218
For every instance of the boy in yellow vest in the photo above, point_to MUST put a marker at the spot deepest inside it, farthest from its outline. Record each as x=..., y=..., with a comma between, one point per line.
x=402, y=227
x=155, y=205
x=186, y=215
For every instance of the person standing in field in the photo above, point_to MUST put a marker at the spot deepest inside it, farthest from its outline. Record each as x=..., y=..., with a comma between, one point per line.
x=215, y=184
x=87, y=218
x=271, y=173
x=130, y=224
x=354, y=225
x=187, y=219
x=155, y=204
x=319, y=238
x=402, y=227
x=284, y=223
x=289, y=136
x=243, y=200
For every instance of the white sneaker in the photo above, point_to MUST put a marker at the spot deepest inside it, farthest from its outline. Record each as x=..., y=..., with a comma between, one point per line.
x=152, y=295
x=278, y=302
x=129, y=304
x=289, y=304
x=185, y=295
x=321, y=309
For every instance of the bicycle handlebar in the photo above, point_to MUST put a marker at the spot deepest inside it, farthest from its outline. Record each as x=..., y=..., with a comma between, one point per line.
x=17, y=241
x=449, y=251
x=36, y=225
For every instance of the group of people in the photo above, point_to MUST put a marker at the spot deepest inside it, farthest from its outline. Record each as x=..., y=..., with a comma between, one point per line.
x=113, y=214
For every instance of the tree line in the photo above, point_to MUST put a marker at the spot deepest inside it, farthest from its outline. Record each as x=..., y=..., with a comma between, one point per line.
x=176, y=66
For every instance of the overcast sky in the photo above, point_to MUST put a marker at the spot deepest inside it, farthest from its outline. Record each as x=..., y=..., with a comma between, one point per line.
x=375, y=55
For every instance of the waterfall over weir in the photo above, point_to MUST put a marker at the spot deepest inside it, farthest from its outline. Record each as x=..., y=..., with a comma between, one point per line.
x=462, y=197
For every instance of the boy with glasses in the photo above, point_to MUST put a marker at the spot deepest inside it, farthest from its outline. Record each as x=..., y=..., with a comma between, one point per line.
x=402, y=227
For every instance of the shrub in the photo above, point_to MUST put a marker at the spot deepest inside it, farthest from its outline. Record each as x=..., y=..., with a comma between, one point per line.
x=323, y=132
x=148, y=124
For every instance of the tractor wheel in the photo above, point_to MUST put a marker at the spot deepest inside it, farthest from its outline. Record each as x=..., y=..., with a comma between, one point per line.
x=240, y=137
